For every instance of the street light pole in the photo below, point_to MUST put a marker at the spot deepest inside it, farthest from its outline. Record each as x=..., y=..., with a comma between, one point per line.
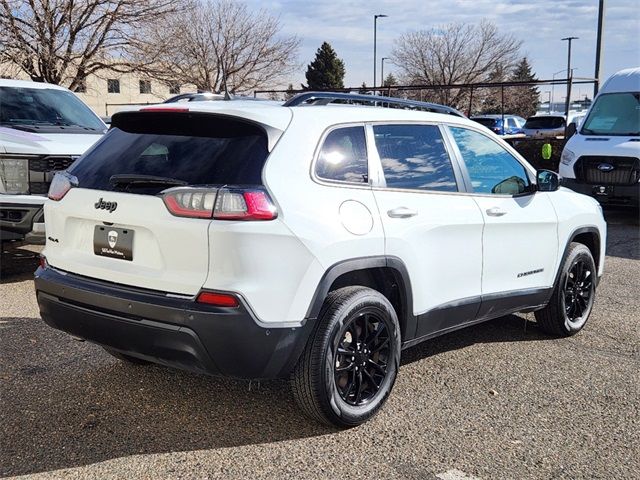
x=375, y=33
x=382, y=71
x=569, y=75
x=596, y=75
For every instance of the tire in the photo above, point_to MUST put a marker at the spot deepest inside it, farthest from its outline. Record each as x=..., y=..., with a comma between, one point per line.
x=573, y=297
x=125, y=358
x=328, y=383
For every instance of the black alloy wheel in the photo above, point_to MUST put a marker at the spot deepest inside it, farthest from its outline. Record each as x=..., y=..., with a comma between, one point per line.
x=578, y=291
x=362, y=355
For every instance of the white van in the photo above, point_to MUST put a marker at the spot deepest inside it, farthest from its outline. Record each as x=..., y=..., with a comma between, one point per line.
x=603, y=158
x=43, y=129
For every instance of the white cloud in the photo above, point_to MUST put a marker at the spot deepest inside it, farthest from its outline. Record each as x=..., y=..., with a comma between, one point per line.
x=348, y=27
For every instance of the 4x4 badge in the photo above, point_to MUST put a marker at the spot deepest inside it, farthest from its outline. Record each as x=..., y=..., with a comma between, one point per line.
x=108, y=206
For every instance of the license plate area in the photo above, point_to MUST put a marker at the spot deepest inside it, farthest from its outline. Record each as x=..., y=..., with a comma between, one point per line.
x=113, y=242
x=603, y=190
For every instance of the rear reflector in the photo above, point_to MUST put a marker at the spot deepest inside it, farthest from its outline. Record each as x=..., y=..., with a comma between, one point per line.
x=218, y=299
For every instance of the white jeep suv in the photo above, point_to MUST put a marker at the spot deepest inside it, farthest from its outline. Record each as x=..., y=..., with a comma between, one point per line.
x=313, y=241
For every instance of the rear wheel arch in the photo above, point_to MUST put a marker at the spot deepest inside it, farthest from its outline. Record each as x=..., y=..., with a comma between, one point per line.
x=385, y=274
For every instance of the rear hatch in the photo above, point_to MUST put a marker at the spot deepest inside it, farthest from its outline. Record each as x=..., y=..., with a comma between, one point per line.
x=115, y=224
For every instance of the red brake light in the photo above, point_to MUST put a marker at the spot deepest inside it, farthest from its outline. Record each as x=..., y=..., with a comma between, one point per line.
x=43, y=261
x=60, y=185
x=239, y=204
x=220, y=203
x=218, y=299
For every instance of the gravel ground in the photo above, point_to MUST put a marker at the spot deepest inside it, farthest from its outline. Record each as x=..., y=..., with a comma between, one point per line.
x=498, y=400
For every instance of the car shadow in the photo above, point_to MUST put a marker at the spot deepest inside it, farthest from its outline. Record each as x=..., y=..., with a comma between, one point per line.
x=512, y=328
x=18, y=262
x=68, y=404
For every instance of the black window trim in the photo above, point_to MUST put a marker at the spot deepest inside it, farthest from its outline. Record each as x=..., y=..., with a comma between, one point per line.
x=378, y=180
x=341, y=183
x=529, y=170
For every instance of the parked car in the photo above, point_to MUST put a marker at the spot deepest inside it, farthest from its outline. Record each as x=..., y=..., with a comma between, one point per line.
x=43, y=129
x=544, y=126
x=603, y=158
x=309, y=242
x=507, y=125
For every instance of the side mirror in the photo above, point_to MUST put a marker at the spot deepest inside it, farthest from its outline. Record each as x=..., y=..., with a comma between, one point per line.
x=547, y=181
x=571, y=130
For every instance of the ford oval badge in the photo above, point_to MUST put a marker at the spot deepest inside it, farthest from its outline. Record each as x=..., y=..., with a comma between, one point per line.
x=605, y=167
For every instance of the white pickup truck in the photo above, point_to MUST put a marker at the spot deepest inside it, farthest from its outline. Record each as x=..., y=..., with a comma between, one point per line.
x=43, y=129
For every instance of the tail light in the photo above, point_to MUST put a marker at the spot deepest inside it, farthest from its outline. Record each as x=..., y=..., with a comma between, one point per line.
x=60, y=185
x=226, y=203
x=218, y=299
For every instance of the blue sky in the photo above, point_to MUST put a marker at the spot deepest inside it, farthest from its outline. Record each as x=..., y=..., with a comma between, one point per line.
x=540, y=24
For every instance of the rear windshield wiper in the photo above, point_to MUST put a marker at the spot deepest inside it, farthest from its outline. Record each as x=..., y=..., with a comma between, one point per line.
x=143, y=180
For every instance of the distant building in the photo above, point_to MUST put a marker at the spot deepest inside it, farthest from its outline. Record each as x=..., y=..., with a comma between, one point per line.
x=109, y=92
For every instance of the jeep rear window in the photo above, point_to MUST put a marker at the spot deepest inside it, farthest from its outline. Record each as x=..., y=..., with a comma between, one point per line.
x=544, y=122
x=194, y=148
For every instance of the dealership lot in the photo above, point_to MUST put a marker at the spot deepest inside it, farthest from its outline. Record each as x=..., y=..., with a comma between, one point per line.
x=498, y=400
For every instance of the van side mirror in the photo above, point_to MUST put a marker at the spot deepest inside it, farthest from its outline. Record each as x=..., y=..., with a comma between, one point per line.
x=547, y=181
x=571, y=130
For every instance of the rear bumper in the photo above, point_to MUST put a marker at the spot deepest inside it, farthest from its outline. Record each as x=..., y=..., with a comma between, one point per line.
x=612, y=195
x=22, y=221
x=171, y=331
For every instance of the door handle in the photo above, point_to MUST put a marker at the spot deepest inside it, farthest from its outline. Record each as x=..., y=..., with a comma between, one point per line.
x=402, y=212
x=496, y=212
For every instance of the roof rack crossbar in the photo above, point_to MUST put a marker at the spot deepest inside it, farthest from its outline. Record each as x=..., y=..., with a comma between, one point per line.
x=325, y=98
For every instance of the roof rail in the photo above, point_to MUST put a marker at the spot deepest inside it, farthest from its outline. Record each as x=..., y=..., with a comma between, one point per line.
x=325, y=98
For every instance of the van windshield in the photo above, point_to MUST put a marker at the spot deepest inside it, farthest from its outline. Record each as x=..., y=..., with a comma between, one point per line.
x=614, y=114
x=46, y=107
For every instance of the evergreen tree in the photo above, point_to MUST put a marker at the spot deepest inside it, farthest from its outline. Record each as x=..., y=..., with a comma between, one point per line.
x=524, y=101
x=363, y=89
x=390, y=81
x=326, y=72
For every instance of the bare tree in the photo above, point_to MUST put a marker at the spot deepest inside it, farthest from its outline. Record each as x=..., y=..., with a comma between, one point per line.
x=64, y=41
x=221, y=36
x=454, y=54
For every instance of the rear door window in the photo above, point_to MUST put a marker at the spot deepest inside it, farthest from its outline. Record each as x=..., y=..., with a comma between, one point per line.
x=343, y=156
x=414, y=157
x=191, y=148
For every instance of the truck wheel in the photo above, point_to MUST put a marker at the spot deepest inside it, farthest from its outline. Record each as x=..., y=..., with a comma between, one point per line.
x=573, y=296
x=124, y=357
x=351, y=360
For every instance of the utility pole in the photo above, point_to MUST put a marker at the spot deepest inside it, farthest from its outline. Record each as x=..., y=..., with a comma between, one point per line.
x=567, y=104
x=599, y=41
x=375, y=33
x=382, y=71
